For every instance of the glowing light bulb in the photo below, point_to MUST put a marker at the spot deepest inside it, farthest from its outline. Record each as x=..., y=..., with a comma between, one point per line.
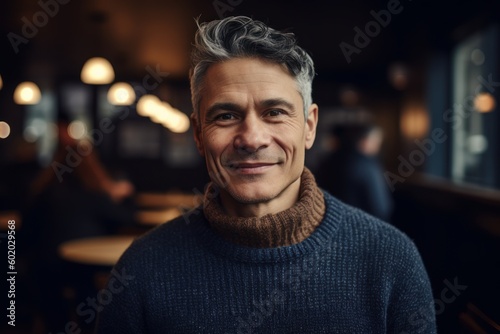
x=121, y=94
x=27, y=93
x=97, y=71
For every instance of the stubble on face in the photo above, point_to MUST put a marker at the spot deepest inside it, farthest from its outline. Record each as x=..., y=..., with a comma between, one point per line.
x=252, y=134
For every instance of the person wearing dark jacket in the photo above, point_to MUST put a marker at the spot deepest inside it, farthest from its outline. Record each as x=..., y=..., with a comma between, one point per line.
x=353, y=174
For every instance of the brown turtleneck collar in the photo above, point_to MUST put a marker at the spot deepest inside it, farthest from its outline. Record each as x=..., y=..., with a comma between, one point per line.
x=284, y=228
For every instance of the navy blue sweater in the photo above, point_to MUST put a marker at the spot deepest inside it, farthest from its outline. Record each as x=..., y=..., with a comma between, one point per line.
x=354, y=274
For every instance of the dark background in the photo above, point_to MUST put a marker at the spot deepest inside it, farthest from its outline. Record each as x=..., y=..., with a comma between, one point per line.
x=456, y=228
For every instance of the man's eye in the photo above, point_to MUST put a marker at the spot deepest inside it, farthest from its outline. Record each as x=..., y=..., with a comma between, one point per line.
x=224, y=117
x=275, y=112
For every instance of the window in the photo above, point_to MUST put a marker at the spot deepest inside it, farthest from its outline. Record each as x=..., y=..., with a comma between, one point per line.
x=473, y=115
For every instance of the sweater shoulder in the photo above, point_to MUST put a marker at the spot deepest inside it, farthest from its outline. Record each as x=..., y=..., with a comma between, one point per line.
x=380, y=246
x=367, y=230
x=166, y=239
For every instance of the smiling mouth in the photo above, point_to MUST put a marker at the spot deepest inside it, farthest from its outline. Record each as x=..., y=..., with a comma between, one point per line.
x=244, y=165
x=250, y=167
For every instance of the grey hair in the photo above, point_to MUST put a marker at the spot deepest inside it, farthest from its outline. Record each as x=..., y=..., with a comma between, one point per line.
x=241, y=36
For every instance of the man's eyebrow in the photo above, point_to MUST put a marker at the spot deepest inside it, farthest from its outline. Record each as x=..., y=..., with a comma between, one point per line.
x=228, y=106
x=277, y=102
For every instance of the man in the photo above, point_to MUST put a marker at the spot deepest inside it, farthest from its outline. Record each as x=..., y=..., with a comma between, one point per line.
x=269, y=252
x=352, y=172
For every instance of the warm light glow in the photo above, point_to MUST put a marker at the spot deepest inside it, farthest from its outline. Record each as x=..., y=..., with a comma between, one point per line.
x=97, y=71
x=414, y=122
x=1, y=82
x=148, y=105
x=179, y=123
x=398, y=76
x=27, y=93
x=77, y=130
x=121, y=94
x=4, y=130
x=171, y=118
x=484, y=102
x=163, y=113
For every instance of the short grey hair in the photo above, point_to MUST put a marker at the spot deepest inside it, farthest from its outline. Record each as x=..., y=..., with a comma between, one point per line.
x=241, y=36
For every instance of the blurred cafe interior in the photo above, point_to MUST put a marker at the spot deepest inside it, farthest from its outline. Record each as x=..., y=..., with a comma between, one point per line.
x=96, y=147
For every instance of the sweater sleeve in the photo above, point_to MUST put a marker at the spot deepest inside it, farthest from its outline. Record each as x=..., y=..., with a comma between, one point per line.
x=411, y=304
x=121, y=308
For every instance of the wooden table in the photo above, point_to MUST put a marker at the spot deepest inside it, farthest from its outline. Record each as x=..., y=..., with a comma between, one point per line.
x=103, y=251
x=156, y=217
x=160, y=207
x=168, y=199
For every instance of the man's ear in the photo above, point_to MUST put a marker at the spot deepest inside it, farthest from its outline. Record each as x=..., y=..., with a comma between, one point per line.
x=311, y=124
x=197, y=133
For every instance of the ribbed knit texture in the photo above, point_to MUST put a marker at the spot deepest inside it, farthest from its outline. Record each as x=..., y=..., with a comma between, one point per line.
x=284, y=228
x=353, y=274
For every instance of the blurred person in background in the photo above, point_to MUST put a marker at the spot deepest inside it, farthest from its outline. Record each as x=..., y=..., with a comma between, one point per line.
x=74, y=197
x=352, y=172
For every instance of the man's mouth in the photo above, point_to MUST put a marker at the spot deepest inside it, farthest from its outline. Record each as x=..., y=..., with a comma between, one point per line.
x=237, y=165
x=250, y=168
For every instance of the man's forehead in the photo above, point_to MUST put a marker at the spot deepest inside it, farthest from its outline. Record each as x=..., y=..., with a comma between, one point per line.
x=239, y=73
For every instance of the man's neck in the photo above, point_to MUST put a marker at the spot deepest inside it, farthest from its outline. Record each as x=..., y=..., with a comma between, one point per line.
x=285, y=200
x=276, y=226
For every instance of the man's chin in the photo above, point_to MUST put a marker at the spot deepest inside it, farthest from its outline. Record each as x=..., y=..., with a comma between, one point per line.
x=250, y=197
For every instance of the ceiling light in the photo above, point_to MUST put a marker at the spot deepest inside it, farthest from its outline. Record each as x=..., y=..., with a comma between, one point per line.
x=163, y=113
x=4, y=130
x=172, y=118
x=180, y=124
x=148, y=105
x=121, y=94
x=27, y=93
x=97, y=71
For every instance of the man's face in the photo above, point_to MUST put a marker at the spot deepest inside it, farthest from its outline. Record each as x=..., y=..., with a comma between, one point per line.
x=253, y=135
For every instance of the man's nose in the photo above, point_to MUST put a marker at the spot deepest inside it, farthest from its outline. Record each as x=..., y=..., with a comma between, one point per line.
x=253, y=135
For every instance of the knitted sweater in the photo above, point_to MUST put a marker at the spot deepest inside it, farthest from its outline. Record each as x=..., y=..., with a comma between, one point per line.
x=353, y=274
